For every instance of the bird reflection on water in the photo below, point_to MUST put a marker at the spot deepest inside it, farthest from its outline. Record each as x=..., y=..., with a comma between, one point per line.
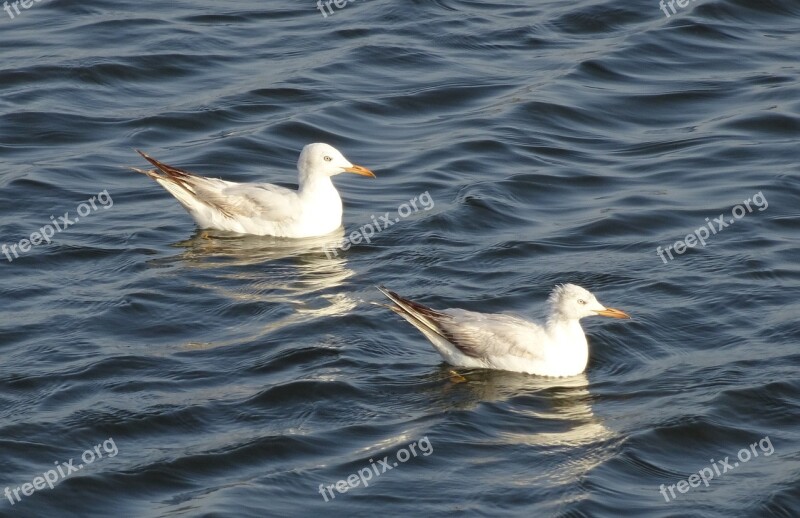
x=267, y=270
x=545, y=414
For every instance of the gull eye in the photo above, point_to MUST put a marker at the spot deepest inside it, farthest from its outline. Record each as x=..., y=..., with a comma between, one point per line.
x=581, y=302
x=328, y=159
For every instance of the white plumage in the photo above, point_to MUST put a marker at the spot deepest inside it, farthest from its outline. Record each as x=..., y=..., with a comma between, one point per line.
x=264, y=209
x=496, y=341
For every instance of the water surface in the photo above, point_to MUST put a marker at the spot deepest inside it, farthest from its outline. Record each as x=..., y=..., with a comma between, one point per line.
x=559, y=142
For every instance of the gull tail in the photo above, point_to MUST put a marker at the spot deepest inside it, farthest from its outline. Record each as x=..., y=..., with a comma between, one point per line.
x=167, y=173
x=434, y=325
x=422, y=317
x=183, y=185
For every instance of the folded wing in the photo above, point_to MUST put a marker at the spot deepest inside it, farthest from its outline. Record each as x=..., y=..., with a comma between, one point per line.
x=477, y=335
x=230, y=200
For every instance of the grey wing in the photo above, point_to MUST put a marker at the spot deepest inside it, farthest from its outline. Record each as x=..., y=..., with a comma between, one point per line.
x=477, y=335
x=490, y=335
x=233, y=200
x=260, y=200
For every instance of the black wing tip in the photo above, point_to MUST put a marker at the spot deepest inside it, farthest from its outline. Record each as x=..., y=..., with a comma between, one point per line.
x=173, y=173
x=386, y=291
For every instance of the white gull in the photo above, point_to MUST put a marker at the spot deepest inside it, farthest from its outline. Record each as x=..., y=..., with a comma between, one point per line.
x=264, y=209
x=505, y=342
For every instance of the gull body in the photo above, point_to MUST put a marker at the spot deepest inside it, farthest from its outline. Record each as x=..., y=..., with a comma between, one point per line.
x=263, y=209
x=558, y=347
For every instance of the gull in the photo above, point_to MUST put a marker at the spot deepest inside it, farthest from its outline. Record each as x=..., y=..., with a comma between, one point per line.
x=556, y=348
x=263, y=209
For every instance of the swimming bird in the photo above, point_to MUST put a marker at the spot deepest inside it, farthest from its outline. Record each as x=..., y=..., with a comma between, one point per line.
x=505, y=342
x=264, y=209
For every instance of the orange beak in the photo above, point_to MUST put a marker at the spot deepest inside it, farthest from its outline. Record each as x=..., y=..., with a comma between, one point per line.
x=613, y=313
x=363, y=171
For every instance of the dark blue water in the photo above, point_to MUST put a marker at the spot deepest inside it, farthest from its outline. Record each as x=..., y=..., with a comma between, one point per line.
x=214, y=375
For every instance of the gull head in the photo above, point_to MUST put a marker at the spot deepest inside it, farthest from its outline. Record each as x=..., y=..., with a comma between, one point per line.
x=573, y=302
x=325, y=160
